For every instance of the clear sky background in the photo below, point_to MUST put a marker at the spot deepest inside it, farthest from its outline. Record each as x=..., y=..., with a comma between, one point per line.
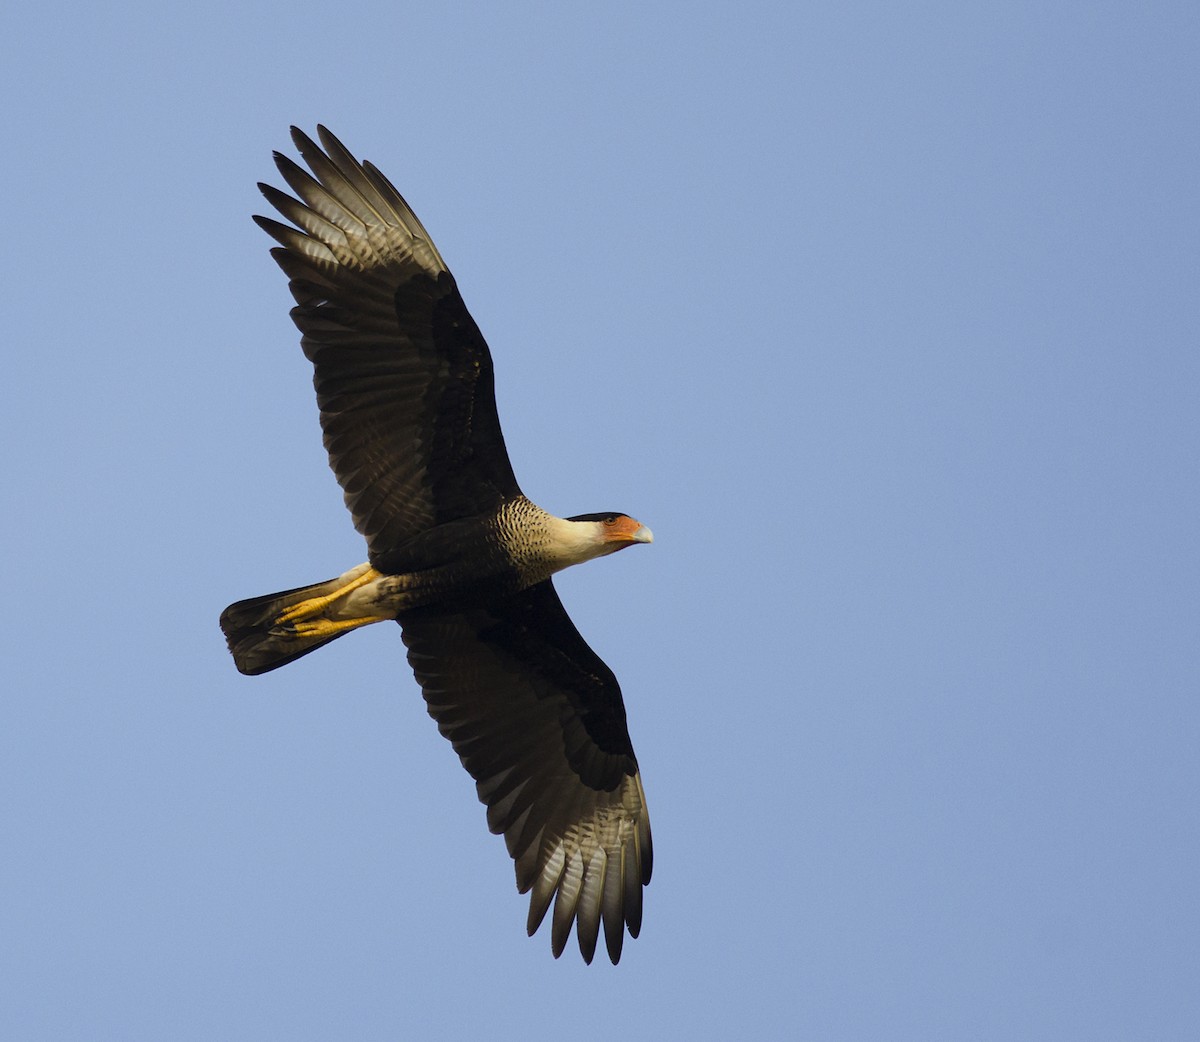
x=884, y=317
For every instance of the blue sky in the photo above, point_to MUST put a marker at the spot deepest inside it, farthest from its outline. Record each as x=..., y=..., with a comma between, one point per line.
x=883, y=317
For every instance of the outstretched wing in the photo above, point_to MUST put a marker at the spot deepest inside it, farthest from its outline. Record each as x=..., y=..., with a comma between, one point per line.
x=538, y=721
x=403, y=375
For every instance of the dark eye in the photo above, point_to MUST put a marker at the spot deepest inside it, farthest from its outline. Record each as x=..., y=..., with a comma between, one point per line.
x=611, y=519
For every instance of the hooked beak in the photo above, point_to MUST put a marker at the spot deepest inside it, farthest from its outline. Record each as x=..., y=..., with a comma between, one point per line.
x=627, y=531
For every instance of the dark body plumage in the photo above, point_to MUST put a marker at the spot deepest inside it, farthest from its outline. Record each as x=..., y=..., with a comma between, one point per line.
x=457, y=554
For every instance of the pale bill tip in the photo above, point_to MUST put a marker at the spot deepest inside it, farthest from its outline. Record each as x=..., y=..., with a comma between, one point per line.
x=643, y=535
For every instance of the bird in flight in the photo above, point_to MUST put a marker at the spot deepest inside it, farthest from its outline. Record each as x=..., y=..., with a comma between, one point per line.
x=456, y=554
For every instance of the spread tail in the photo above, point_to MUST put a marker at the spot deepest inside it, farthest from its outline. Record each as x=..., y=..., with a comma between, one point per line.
x=265, y=633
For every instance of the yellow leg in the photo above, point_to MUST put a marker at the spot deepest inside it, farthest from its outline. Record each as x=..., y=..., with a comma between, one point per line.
x=328, y=627
x=315, y=605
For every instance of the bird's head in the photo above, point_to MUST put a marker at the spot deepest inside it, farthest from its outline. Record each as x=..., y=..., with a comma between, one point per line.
x=609, y=532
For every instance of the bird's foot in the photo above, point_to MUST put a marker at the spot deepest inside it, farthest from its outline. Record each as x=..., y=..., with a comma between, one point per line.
x=316, y=605
x=331, y=627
